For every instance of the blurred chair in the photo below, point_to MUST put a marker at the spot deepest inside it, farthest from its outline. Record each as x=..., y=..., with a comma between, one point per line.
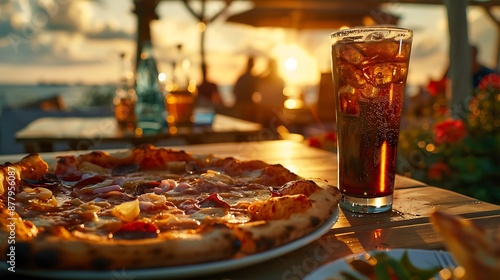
x=14, y=119
x=50, y=104
x=55, y=103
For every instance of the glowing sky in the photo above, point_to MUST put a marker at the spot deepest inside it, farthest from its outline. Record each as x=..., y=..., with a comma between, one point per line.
x=80, y=41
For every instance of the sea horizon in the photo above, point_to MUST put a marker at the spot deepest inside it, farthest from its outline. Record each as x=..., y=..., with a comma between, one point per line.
x=75, y=96
x=72, y=95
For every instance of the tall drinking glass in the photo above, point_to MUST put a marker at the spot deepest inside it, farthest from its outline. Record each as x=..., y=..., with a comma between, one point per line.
x=369, y=68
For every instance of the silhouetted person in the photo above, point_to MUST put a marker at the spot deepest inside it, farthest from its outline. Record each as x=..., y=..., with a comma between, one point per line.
x=270, y=90
x=244, y=90
x=208, y=92
x=479, y=71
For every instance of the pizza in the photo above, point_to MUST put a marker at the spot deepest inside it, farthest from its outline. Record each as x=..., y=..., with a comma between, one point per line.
x=152, y=207
x=476, y=251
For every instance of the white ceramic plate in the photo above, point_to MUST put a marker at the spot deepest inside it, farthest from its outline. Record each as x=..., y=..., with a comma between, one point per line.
x=420, y=258
x=188, y=270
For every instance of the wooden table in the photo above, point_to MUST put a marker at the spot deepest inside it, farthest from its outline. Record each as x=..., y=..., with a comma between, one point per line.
x=406, y=226
x=83, y=133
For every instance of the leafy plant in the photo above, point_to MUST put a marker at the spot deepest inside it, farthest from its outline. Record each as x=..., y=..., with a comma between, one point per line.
x=463, y=154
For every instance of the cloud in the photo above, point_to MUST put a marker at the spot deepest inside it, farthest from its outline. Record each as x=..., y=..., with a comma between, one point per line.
x=51, y=33
x=37, y=17
x=54, y=49
x=80, y=17
x=427, y=44
x=6, y=10
x=109, y=31
x=70, y=16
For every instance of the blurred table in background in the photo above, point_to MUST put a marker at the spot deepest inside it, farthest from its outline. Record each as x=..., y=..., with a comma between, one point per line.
x=83, y=133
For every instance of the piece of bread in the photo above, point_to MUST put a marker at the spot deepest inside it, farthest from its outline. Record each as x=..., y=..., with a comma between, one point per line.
x=477, y=252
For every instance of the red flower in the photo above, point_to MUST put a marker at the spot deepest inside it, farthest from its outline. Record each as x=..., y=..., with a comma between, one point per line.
x=437, y=87
x=314, y=142
x=331, y=136
x=438, y=171
x=491, y=81
x=449, y=131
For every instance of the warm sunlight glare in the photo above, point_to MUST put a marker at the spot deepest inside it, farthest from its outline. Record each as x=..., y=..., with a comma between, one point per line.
x=162, y=77
x=294, y=104
x=297, y=66
x=290, y=64
x=292, y=91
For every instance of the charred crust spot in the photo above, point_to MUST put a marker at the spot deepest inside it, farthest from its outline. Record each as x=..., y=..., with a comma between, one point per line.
x=100, y=263
x=264, y=243
x=236, y=245
x=315, y=221
x=289, y=228
x=135, y=235
x=97, y=154
x=168, y=256
x=139, y=260
x=156, y=251
x=47, y=258
x=226, y=236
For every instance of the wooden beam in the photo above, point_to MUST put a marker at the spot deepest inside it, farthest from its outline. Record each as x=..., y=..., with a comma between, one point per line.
x=347, y=3
x=460, y=59
x=145, y=11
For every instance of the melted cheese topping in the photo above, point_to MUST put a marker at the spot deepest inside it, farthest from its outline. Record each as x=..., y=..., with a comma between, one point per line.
x=167, y=198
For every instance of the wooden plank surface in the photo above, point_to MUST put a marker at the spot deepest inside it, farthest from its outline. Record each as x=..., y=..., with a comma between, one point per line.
x=297, y=264
x=406, y=226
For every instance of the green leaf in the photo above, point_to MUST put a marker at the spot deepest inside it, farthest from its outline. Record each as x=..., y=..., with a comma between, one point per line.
x=415, y=271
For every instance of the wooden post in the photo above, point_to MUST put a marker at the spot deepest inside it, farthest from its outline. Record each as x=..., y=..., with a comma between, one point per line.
x=146, y=12
x=460, y=58
x=202, y=18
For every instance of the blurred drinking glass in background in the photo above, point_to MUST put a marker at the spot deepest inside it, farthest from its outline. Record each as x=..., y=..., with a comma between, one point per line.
x=124, y=106
x=125, y=98
x=181, y=93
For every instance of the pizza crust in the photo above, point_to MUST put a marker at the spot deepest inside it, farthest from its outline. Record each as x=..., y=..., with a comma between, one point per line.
x=473, y=249
x=31, y=167
x=175, y=248
x=147, y=156
x=264, y=235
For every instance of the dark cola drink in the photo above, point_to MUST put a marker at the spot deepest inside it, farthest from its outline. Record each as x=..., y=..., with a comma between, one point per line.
x=369, y=68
